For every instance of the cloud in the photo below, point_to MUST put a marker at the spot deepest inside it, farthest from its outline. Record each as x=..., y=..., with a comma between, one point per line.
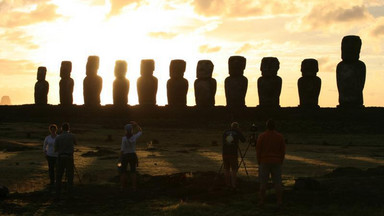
x=377, y=29
x=331, y=17
x=16, y=67
x=19, y=38
x=162, y=35
x=24, y=13
x=244, y=8
x=118, y=5
x=249, y=47
x=327, y=65
x=208, y=49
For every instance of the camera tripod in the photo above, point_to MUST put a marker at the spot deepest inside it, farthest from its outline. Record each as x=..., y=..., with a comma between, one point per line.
x=250, y=143
x=252, y=139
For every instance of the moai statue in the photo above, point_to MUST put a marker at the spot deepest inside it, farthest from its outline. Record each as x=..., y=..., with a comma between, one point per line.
x=177, y=85
x=66, y=84
x=309, y=84
x=147, y=83
x=93, y=83
x=350, y=73
x=121, y=84
x=41, y=87
x=5, y=100
x=236, y=84
x=269, y=84
x=205, y=85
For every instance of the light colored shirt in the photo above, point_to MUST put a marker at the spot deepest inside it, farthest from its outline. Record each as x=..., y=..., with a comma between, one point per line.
x=65, y=143
x=48, y=146
x=129, y=145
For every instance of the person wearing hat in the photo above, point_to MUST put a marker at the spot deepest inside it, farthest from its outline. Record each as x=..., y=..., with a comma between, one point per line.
x=128, y=153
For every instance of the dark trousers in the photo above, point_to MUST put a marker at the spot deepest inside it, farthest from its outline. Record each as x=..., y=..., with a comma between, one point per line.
x=51, y=168
x=64, y=163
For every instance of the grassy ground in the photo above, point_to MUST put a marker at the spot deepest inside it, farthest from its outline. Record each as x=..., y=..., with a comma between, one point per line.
x=165, y=152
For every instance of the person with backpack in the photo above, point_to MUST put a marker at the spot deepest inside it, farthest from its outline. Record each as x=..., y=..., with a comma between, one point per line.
x=231, y=140
x=50, y=154
x=128, y=154
x=270, y=150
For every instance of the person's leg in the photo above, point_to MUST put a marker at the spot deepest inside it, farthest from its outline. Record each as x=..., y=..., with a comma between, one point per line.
x=133, y=164
x=51, y=169
x=70, y=173
x=276, y=178
x=234, y=166
x=123, y=172
x=263, y=179
x=59, y=176
x=227, y=174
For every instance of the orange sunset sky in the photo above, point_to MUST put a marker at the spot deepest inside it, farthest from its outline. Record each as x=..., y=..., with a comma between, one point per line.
x=45, y=32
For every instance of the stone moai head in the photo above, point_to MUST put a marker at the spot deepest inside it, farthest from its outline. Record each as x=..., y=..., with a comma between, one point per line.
x=350, y=48
x=41, y=73
x=147, y=67
x=204, y=69
x=65, y=69
x=236, y=65
x=269, y=66
x=177, y=68
x=309, y=67
x=92, y=65
x=120, y=69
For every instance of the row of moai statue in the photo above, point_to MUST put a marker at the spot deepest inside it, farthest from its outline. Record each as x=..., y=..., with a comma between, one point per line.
x=350, y=82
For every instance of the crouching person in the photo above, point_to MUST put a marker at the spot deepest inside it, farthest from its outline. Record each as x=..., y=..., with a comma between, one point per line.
x=270, y=150
x=128, y=154
x=64, y=146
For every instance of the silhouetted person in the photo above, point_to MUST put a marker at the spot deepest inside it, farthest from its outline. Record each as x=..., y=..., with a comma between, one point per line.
x=64, y=146
x=66, y=84
x=147, y=83
x=270, y=151
x=205, y=85
x=5, y=100
x=121, y=84
x=50, y=154
x=269, y=84
x=177, y=85
x=309, y=84
x=128, y=153
x=231, y=140
x=41, y=87
x=350, y=73
x=236, y=84
x=92, y=83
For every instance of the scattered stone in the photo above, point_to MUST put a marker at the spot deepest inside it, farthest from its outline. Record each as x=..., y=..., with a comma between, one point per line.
x=4, y=192
x=303, y=184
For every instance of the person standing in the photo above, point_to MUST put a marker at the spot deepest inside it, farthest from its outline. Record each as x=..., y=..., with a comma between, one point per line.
x=64, y=146
x=50, y=154
x=231, y=140
x=128, y=154
x=270, y=151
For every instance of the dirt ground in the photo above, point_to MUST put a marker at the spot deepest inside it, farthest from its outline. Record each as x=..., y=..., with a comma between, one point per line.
x=178, y=172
